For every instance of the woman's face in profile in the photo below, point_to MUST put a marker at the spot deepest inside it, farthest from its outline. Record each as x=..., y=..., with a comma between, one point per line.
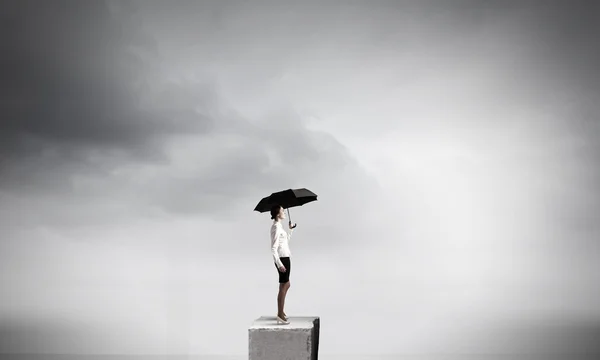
x=281, y=213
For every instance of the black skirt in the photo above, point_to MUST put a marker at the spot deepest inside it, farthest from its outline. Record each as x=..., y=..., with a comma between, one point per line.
x=284, y=276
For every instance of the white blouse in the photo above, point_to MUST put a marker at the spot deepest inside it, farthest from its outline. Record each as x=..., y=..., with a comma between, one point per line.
x=280, y=242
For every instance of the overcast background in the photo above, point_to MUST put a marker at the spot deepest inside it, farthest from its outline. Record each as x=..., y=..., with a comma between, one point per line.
x=453, y=145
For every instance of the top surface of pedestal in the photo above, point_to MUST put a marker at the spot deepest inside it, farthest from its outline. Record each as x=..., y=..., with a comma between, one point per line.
x=296, y=322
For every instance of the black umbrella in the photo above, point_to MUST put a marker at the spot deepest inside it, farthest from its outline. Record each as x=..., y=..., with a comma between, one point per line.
x=287, y=199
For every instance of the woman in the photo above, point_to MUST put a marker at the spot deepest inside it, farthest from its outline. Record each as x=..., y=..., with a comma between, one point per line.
x=281, y=254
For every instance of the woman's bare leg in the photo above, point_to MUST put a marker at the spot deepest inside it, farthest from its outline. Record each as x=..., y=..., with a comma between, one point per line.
x=280, y=300
x=284, y=287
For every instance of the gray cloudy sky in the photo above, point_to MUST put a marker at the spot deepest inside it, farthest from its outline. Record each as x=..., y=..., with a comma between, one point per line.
x=453, y=145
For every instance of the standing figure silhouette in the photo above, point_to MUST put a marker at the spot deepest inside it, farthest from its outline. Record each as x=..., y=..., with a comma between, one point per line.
x=280, y=250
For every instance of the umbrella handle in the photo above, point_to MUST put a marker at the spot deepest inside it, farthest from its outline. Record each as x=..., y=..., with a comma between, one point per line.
x=289, y=217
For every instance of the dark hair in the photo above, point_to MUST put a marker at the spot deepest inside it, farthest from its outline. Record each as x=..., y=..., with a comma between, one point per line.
x=275, y=211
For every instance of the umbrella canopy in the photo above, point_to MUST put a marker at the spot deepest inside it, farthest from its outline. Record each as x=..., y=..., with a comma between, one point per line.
x=287, y=199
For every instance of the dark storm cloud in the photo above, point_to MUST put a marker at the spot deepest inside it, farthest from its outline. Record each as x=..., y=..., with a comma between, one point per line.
x=86, y=94
x=73, y=74
x=255, y=161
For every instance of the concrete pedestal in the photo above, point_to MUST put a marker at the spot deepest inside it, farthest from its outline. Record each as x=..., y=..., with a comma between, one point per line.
x=299, y=340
